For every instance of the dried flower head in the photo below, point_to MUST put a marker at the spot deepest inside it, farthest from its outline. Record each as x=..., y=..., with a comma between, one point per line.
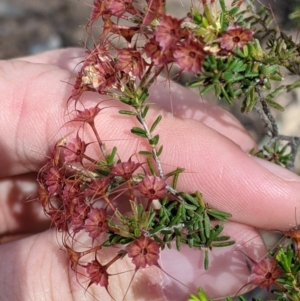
x=235, y=37
x=144, y=251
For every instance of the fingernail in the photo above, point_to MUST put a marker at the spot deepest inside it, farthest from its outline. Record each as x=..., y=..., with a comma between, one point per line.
x=277, y=170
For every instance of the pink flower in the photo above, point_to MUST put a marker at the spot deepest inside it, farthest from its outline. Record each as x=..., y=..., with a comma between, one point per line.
x=74, y=150
x=79, y=87
x=189, y=56
x=97, y=273
x=235, y=37
x=143, y=251
x=119, y=7
x=168, y=32
x=54, y=180
x=98, y=9
x=127, y=32
x=59, y=218
x=265, y=273
x=154, y=10
x=131, y=62
x=153, y=187
x=96, y=223
x=87, y=115
x=156, y=54
x=78, y=216
x=125, y=169
x=97, y=187
x=100, y=76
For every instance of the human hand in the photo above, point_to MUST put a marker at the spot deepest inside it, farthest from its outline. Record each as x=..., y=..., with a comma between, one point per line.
x=206, y=140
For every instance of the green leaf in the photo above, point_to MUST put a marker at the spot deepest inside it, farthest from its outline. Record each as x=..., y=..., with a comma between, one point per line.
x=126, y=100
x=190, y=199
x=145, y=111
x=195, y=84
x=195, y=15
x=227, y=75
x=274, y=105
x=206, y=259
x=111, y=156
x=150, y=165
x=276, y=92
x=155, y=123
x=220, y=215
x=218, y=229
x=206, y=224
x=223, y=5
x=272, y=68
x=159, y=150
x=225, y=95
x=223, y=244
x=295, y=84
x=154, y=140
x=145, y=153
x=143, y=97
x=139, y=132
x=222, y=238
x=206, y=89
x=178, y=242
x=124, y=112
x=178, y=170
x=233, y=11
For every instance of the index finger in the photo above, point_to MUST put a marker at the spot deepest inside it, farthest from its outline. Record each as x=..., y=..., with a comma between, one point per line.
x=34, y=110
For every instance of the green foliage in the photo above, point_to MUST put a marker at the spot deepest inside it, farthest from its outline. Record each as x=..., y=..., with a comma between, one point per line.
x=274, y=153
